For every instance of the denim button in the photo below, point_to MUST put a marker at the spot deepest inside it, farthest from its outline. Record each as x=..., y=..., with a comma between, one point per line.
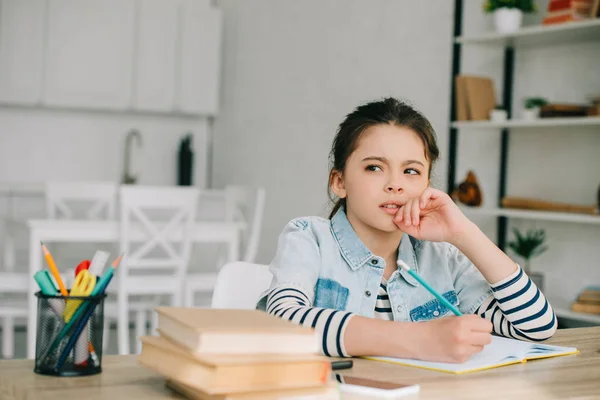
x=368, y=293
x=374, y=261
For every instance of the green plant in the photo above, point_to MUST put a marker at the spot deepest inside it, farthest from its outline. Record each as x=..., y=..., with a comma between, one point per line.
x=527, y=6
x=532, y=102
x=529, y=245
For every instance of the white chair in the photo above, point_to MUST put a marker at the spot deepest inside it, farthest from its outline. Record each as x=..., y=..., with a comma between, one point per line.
x=64, y=200
x=143, y=272
x=246, y=204
x=242, y=204
x=97, y=200
x=11, y=308
x=240, y=284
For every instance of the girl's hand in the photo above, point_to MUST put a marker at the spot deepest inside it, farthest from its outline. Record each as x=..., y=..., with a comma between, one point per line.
x=432, y=216
x=451, y=339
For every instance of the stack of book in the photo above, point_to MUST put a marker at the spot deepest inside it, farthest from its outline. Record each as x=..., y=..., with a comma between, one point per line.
x=237, y=355
x=560, y=11
x=588, y=301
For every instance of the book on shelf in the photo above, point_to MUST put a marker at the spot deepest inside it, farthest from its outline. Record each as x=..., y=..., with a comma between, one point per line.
x=224, y=331
x=586, y=307
x=475, y=97
x=564, y=110
x=231, y=373
x=560, y=11
x=525, y=203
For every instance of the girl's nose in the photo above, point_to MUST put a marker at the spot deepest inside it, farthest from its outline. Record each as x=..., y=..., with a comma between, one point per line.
x=393, y=188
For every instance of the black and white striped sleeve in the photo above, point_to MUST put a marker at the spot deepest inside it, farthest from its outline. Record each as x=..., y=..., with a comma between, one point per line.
x=518, y=309
x=292, y=303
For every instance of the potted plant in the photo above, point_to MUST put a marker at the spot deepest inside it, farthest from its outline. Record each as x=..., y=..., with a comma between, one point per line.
x=528, y=246
x=498, y=114
x=532, y=107
x=508, y=14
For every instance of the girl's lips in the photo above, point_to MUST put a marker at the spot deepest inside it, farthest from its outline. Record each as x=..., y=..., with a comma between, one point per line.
x=390, y=210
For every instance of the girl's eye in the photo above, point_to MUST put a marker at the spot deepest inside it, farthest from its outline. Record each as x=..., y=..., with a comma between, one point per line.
x=373, y=168
x=411, y=171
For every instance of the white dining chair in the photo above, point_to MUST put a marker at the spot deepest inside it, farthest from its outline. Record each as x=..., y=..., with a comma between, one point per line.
x=155, y=229
x=63, y=200
x=240, y=284
x=13, y=307
x=242, y=204
x=81, y=200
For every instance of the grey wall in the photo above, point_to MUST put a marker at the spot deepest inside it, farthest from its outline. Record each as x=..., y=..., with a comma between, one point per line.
x=294, y=69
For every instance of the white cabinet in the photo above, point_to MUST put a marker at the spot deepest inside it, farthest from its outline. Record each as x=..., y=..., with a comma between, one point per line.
x=89, y=53
x=156, y=55
x=21, y=50
x=122, y=55
x=200, y=59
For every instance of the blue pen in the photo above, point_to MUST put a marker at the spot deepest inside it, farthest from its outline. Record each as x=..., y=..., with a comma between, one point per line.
x=438, y=296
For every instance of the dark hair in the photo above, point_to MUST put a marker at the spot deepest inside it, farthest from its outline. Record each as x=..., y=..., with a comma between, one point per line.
x=387, y=111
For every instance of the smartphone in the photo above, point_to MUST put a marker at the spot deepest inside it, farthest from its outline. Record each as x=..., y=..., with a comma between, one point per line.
x=356, y=388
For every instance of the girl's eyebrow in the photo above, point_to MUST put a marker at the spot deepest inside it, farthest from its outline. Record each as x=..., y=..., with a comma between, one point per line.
x=385, y=161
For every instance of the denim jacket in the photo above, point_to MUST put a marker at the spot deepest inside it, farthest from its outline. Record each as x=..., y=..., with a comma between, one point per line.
x=327, y=260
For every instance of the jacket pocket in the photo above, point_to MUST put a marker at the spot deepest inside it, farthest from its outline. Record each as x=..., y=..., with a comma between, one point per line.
x=433, y=308
x=330, y=294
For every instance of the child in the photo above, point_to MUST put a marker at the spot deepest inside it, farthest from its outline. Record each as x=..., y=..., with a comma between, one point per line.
x=340, y=275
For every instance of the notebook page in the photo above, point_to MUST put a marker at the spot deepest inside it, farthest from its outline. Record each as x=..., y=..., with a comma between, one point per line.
x=538, y=350
x=500, y=351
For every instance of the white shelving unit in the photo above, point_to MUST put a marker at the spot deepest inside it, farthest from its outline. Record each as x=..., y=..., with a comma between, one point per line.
x=540, y=35
x=534, y=215
x=538, y=123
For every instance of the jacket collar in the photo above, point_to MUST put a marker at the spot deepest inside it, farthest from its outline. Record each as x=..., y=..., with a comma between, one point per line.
x=357, y=254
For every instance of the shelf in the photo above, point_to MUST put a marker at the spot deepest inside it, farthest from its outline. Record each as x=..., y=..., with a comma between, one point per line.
x=538, y=35
x=535, y=215
x=576, y=316
x=562, y=310
x=536, y=123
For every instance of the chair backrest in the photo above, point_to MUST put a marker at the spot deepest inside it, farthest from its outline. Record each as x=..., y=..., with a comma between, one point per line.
x=240, y=284
x=156, y=227
x=95, y=200
x=246, y=204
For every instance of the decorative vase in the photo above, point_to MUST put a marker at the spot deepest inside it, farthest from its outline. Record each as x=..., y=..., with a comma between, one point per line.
x=531, y=113
x=508, y=20
x=498, y=115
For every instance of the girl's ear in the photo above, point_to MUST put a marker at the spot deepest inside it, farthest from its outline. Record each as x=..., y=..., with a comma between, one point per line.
x=336, y=180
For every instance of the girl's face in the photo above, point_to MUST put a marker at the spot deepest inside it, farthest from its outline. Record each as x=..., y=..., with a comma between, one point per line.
x=387, y=168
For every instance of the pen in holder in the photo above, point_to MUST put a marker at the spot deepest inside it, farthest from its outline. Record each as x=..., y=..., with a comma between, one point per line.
x=63, y=347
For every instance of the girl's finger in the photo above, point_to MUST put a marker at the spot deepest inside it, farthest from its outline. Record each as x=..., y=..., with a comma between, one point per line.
x=407, y=209
x=424, y=197
x=399, y=215
x=415, y=213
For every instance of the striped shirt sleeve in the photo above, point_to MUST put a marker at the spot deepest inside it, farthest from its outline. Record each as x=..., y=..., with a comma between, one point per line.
x=518, y=309
x=293, y=304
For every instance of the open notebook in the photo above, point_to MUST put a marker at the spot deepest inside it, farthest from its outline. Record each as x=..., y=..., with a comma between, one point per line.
x=501, y=351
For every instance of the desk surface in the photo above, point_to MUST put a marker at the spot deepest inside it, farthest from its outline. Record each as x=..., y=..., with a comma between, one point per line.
x=562, y=377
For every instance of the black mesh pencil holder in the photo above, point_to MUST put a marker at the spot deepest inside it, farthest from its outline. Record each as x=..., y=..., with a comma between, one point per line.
x=69, y=335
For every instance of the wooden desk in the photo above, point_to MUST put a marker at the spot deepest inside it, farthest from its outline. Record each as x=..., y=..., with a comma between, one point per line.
x=561, y=377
